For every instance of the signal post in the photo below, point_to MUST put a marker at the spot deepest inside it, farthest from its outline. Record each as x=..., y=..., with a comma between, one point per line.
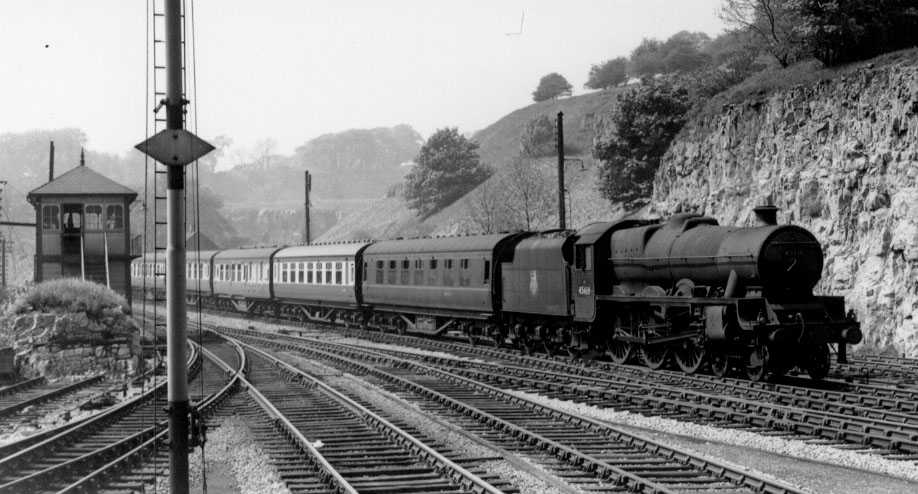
x=175, y=147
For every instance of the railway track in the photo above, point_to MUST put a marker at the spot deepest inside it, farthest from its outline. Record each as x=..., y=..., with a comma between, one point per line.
x=55, y=463
x=139, y=468
x=40, y=394
x=589, y=454
x=369, y=452
x=874, y=419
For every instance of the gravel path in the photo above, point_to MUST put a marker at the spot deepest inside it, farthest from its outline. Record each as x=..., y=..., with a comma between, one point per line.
x=235, y=464
x=800, y=459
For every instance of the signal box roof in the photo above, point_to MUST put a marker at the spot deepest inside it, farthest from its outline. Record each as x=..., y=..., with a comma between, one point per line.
x=82, y=180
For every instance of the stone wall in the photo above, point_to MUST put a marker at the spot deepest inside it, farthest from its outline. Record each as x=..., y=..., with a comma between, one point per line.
x=56, y=345
x=839, y=157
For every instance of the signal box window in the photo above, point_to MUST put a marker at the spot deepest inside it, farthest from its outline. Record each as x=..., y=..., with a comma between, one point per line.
x=114, y=217
x=93, y=217
x=50, y=217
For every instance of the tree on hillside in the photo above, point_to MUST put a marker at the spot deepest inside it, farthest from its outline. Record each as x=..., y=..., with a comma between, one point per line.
x=530, y=199
x=551, y=86
x=842, y=31
x=446, y=168
x=645, y=122
x=682, y=52
x=775, y=24
x=538, y=138
x=646, y=59
x=607, y=74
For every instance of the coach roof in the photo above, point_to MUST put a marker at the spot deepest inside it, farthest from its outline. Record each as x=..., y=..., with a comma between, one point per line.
x=329, y=250
x=262, y=253
x=472, y=243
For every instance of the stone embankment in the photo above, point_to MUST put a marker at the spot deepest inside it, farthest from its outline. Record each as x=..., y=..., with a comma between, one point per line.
x=839, y=157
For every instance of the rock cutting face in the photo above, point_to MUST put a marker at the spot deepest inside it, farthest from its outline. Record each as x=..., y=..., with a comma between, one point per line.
x=59, y=345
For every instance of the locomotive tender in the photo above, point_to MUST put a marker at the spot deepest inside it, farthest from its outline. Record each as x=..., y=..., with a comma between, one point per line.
x=685, y=290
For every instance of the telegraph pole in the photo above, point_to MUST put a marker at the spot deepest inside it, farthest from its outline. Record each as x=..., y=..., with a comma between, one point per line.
x=308, y=187
x=562, y=220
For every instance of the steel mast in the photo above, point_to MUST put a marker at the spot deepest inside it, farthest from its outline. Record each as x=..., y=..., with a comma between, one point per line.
x=176, y=312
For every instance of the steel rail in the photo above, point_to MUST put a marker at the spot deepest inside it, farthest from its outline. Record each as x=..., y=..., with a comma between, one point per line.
x=869, y=428
x=95, y=479
x=903, y=400
x=21, y=386
x=457, y=474
x=50, y=395
x=342, y=353
x=98, y=422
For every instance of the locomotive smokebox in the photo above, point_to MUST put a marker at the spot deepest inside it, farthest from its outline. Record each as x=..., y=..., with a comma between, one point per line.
x=766, y=214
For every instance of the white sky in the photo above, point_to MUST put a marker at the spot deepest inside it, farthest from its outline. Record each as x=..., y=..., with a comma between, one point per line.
x=294, y=69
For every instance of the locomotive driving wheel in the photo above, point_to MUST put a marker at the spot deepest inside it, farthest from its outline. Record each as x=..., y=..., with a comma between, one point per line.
x=689, y=355
x=757, y=363
x=619, y=351
x=654, y=355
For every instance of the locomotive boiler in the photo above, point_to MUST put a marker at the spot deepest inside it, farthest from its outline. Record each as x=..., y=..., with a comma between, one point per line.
x=694, y=290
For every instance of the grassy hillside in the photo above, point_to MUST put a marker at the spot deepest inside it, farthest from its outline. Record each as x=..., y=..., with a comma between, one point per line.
x=584, y=117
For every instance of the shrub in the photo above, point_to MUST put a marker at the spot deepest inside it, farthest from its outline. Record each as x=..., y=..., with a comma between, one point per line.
x=69, y=295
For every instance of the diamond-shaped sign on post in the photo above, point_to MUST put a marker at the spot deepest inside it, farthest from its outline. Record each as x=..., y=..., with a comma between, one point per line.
x=175, y=147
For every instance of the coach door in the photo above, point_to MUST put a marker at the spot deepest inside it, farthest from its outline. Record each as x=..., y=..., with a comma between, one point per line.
x=584, y=286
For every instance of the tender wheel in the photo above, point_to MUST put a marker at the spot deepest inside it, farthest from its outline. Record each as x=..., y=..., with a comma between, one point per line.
x=619, y=351
x=689, y=356
x=816, y=361
x=720, y=364
x=757, y=363
x=654, y=355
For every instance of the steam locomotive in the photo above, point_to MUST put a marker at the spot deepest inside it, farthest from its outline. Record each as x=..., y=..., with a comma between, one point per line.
x=685, y=291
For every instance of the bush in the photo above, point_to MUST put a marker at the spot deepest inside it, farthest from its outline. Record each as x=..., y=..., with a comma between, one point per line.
x=645, y=122
x=69, y=295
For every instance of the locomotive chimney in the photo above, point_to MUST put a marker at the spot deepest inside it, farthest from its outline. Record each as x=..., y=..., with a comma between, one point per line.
x=766, y=214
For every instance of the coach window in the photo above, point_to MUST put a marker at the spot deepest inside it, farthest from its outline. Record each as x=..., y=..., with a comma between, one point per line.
x=284, y=272
x=328, y=273
x=339, y=274
x=309, y=268
x=379, y=272
x=350, y=266
x=487, y=272
x=93, y=217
